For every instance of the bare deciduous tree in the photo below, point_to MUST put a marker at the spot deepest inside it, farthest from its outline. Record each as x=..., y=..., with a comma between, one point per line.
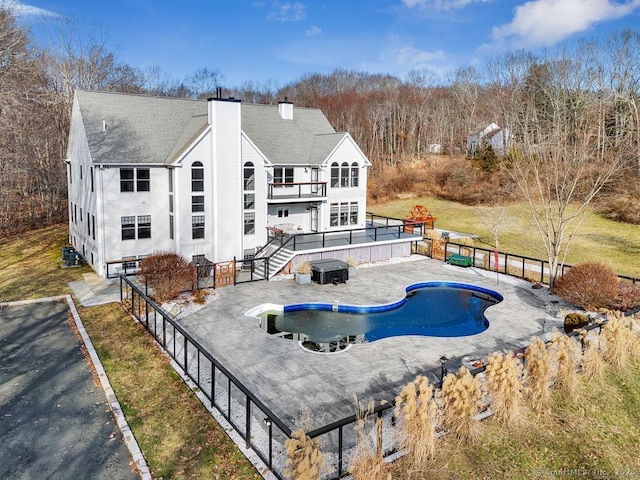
x=558, y=165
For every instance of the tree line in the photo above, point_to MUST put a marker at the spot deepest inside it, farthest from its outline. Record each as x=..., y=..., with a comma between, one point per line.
x=581, y=104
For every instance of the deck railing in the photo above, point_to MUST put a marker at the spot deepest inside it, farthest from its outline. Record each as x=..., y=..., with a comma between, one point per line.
x=291, y=190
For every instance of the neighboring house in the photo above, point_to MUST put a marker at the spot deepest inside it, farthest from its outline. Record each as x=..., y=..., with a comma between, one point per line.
x=209, y=179
x=434, y=148
x=495, y=136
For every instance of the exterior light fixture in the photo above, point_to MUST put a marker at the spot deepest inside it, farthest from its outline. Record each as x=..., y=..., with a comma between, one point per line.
x=443, y=368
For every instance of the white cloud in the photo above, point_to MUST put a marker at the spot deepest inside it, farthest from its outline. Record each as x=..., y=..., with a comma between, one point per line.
x=313, y=30
x=413, y=57
x=543, y=23
x=441, y=4
x=287, y=12
x=23, y=10
x=400, y=59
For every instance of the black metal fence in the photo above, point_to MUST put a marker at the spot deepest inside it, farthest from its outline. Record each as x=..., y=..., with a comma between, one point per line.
x=260, y=428
x=528, y=268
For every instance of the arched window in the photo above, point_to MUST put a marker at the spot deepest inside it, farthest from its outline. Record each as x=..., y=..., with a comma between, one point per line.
x=354, y=174
x=197, y=177
x=335, y=175
x=249, y=176
x=344, y=175
x=249, y=184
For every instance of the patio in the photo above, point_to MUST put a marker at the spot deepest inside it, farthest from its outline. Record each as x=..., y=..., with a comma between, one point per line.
x=292, y=381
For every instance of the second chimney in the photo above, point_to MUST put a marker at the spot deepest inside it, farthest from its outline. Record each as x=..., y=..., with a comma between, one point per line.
x=285, y=108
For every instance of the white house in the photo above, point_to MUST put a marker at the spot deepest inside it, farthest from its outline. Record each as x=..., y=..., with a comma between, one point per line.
x=211, y=179
x=494, y=135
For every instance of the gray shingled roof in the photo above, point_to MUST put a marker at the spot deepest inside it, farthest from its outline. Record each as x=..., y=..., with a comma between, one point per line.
x=140, y=128
x=155, y=130
x=289, y=142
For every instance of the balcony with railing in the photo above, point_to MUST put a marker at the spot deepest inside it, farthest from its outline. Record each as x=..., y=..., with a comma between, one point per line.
x=296, y=191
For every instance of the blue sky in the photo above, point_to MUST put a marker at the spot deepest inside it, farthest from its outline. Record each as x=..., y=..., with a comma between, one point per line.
x=280, y=41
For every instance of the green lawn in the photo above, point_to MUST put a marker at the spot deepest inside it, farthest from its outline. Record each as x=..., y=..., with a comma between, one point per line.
x=597, y=239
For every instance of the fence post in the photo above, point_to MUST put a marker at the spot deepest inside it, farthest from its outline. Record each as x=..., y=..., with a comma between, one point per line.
x=270, y=425
x=379, y=434
x=229, y=400
x=186, y=370
x=340, y=451
x=235, y=272
x=247, y=437
x=164, y=332
x=213, y=384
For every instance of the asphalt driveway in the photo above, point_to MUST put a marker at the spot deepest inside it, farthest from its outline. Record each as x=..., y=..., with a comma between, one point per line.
x=55, y=421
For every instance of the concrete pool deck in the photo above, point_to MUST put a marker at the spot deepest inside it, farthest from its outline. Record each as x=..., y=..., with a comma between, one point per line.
x=292, y=381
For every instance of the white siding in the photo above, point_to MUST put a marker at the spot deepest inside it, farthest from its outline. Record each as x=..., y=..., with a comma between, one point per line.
x=185, y=244
x=227, y=177
x=117, y=204
x=250, y=154
x=81, y=195
x=348, y=152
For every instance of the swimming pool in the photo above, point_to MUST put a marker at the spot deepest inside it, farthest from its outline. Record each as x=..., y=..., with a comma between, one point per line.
x=437, y=309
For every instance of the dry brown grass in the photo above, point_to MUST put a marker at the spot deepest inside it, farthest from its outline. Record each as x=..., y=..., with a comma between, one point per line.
x=367, y=462
x=538, y=368
x=566, y=359
x=503, y=375
x=619, y=340
x=419, y=417
x=304, y=458
x=31, y=267
x=592, y=365
x=461, y=393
